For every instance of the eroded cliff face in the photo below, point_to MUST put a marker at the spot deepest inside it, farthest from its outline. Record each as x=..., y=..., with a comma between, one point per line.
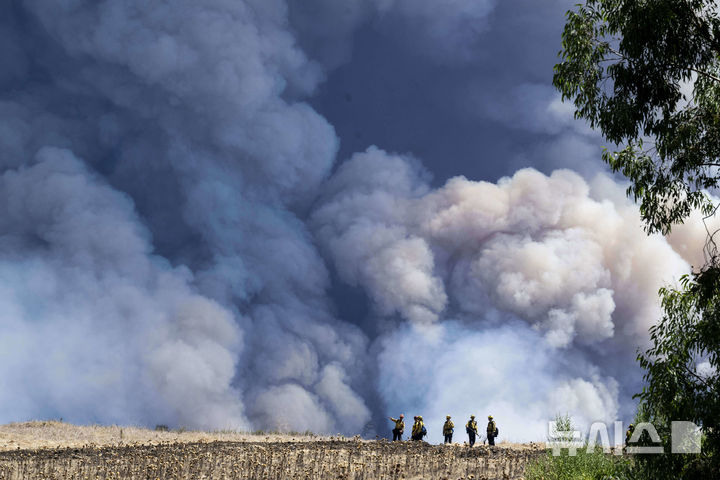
x=316, y=460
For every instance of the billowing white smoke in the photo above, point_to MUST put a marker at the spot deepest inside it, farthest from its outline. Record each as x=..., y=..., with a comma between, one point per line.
x=540, y=248
x=507, y=371
x=192, y=109
x=93, y=325
x=157, y=166
x=530, y=272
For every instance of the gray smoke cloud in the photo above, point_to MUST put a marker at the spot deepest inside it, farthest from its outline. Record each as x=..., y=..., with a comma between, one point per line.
x=94, y=325
x=553, y=250
x=192, y=111
x=519, y=294
x=448, y=35
x=178, y=242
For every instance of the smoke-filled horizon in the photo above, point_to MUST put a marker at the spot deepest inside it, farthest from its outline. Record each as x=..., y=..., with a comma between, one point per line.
x=204, y=223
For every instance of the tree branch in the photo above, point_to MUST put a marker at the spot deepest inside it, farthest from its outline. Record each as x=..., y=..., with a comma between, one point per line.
x=698, y=377
x=705, y=74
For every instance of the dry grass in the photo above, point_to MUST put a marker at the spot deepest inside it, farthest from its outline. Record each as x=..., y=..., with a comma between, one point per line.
x=53, y=450
x=53, y=434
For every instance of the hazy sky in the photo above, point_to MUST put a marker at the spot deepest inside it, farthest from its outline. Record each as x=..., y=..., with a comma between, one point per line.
x=476, y=100
x=311, y=214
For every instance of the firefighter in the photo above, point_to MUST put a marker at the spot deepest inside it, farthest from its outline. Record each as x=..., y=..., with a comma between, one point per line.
x=492, y=430
x=448, y=429
x=399, y=427
x=628, y=434
x=418, y=429
x=471, y=429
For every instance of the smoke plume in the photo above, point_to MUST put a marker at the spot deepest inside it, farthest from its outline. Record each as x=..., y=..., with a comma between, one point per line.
x=180, y=242
x=523, y=296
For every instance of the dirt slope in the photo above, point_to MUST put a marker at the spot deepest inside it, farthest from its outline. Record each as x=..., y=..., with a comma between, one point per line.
x=52, y=450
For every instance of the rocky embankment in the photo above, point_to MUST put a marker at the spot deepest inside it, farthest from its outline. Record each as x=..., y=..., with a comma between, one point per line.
x=260, y=457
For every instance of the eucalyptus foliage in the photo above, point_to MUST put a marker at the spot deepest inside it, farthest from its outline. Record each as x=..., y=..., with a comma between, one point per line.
x=682, y=381
x=646, y=74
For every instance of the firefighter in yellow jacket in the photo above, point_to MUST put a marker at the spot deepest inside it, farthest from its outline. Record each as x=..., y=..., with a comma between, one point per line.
x=448, y=429
x=492, y=430
x=418, y=429
x=629, y=433
x=471, y=429
x=399, y=427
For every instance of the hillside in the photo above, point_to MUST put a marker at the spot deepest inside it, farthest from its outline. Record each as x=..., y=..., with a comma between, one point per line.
x=54, y=450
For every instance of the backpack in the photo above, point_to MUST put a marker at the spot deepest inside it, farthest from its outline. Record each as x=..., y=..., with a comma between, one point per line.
x=423, y=432
x=497, y=432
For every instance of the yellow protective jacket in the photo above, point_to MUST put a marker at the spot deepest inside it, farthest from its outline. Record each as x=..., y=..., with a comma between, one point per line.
x=417, y=427
x=448, y=427
x=472, y=425
x=399, y=424
x=491, y=428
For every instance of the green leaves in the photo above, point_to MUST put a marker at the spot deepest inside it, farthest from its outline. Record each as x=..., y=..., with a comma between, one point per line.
x=627, y=66
x=683, y=375
x=646, y=73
